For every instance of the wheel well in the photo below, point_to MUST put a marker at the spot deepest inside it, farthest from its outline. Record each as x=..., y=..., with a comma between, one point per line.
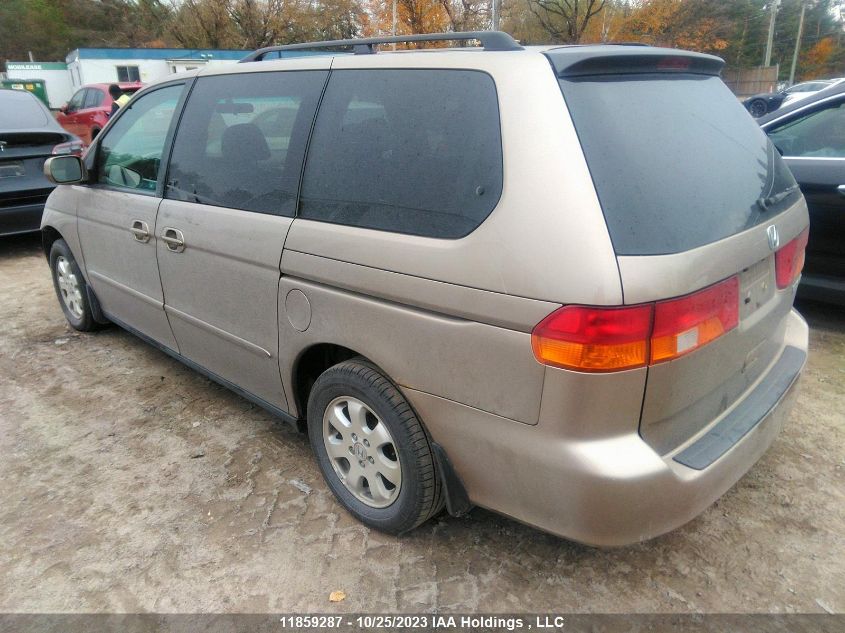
x=311, y=363
x=48, y=236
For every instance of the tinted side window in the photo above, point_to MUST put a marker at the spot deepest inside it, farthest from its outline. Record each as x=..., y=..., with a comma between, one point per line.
x=819, y=134
x=93, y=98
x=241, y=140
x=410, y=151
x=129, y=155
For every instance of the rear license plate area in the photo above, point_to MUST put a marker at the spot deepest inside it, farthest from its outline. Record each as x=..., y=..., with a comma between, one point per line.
x=756, y=287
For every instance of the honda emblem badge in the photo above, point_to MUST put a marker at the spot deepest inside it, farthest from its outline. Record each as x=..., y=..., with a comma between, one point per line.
x=774, y=237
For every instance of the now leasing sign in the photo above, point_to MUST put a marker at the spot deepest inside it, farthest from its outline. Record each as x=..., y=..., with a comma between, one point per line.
x=35, y=66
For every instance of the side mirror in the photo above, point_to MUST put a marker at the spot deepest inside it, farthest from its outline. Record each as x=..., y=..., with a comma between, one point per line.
x=65, y=170
x=63, y=109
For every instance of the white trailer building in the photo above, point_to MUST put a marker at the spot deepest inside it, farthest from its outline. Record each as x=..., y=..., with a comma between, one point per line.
x=110, y=65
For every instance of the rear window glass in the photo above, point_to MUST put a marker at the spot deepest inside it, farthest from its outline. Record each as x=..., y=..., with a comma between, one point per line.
x=409, y=151
x=677, y=162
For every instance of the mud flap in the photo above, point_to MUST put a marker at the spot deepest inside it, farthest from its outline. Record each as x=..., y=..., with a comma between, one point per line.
x=457, y=500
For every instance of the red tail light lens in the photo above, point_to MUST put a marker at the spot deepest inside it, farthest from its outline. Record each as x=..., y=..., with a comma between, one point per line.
x=71, y=147
x=599, y=339
x=789, y=260
x=685, y=324
x=594, y=339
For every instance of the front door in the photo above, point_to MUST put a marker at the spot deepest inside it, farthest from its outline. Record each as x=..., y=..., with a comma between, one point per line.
x=69, y=119
x=229, y=202
x=117, y=215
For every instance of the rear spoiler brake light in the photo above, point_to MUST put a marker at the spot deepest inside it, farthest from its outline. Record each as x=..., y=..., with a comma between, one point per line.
x=570, y=63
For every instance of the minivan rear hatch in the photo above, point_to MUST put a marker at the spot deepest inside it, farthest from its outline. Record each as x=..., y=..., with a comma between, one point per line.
x=689, y=186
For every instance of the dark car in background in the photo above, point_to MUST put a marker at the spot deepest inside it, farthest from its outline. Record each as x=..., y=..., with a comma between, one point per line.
x=762, y=104
x=89, y=108
x=810, y=134
x=29, y=135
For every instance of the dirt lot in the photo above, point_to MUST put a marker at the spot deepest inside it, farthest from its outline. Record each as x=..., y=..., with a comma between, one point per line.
x=130, y=483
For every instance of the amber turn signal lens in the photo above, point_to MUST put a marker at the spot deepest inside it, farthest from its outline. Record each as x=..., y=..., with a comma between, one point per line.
x=594, y=339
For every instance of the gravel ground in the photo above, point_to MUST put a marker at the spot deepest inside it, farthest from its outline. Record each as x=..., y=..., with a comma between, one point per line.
x=131, y=483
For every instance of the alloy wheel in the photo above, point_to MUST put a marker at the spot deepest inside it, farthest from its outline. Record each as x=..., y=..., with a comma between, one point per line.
x=69, y=287
x=362, y=452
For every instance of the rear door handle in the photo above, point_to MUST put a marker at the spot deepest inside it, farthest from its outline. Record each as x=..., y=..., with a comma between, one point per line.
x=841, y=189
x=173, y=239
x=140, y=231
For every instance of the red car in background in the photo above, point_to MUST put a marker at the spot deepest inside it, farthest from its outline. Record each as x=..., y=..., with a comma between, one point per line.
x=88, y=110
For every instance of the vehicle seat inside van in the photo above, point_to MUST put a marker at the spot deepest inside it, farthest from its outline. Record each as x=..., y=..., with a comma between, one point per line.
x=243, y=165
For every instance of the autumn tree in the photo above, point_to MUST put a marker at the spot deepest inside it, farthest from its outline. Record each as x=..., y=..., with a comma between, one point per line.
x=565, y=20
x=412, y=16
x=700, y=25
x=467, y=15
x=203, y=24
x=257, y=23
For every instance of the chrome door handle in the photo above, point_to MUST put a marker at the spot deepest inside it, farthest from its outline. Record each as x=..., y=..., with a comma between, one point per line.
x=140, y=231
x=841, y=189
x=173, y=239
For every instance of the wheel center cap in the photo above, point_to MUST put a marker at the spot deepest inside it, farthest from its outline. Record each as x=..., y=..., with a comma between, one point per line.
x=359, y=451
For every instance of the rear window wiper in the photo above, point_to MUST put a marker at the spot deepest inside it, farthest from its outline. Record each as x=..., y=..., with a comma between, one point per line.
x=766, y=203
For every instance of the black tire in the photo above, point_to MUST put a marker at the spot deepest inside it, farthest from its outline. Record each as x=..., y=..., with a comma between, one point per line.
x=758, y=108
x=84, y=322
x=420, y=495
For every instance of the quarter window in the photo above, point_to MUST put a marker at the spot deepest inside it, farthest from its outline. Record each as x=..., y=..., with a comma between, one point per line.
x=409, y=151
x=819, y=134
x=128, y=73
x=242, y=138
x=129, y=155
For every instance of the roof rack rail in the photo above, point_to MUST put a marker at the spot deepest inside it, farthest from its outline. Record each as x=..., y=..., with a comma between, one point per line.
x=490, y=40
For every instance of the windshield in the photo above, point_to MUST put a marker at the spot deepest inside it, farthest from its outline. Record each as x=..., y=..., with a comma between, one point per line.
x=676, y=160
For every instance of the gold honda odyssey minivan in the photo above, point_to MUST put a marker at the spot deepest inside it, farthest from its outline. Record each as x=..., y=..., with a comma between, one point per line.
x=553, y=282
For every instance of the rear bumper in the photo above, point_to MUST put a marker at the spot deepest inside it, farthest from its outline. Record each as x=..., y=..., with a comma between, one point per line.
x=21, y=219
x=610, y=491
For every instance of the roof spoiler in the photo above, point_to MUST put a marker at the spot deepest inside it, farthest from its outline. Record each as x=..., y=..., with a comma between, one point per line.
x=489, y=40
x=624, y=60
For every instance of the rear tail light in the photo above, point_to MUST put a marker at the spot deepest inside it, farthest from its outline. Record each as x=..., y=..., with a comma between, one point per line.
x=594, y=339
x=599, y=339
x=71, y=147
x=685, y=324
x=790, y=260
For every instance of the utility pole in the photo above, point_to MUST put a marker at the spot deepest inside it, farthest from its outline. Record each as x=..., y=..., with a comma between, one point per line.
x=797, y=43
x=393, y=31
x=495, y=20
x=767, y=61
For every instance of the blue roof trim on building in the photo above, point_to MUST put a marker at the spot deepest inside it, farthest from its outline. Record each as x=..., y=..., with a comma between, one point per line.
x=156, y=53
